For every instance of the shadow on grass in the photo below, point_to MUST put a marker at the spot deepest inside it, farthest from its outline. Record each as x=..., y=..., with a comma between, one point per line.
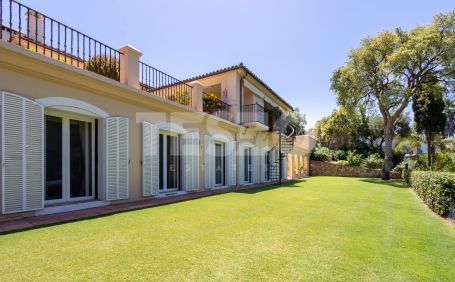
x=116, y=212
x=390, y=183
x=287, y=184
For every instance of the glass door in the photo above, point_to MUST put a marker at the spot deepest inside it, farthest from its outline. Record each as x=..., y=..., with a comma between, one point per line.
x=219, y=164
x=54, y=158
x=247, y=168
x=170, y=162
x=80, y=158
x=70, y=157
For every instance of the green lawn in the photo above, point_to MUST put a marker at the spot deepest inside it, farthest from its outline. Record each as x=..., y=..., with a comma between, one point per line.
x=322, y=228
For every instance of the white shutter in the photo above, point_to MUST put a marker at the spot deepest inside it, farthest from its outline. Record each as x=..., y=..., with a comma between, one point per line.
x=34, y=155
x=241, y=164
x=209, y=147
x=117, y=158
x=22, y=154
x=150, y=159
x=255, y=165
x=191, y=161
x=231, y=163
x=263, y=164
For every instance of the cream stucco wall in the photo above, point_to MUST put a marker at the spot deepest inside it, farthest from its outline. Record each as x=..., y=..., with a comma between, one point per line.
x=36, y=77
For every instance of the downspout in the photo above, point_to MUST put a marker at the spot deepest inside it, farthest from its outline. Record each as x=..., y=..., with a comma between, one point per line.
x=241, y=121
x=241, y=97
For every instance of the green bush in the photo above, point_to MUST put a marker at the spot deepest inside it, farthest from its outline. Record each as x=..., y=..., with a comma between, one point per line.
x=400, y=167
x=339, y=155
x=354, y=159
x=436, y=189
x=373, y=161
x=342, y=162
x=422, y=162
x=406, y=176
x=320, y=153
x=444, y=162
x=107, y=66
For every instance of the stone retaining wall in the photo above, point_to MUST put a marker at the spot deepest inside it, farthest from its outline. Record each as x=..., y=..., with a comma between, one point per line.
x=331, y=169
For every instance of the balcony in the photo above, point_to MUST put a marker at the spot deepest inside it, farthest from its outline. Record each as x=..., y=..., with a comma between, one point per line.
x=38, y=33
x=214, y=106
x=163, y=85
x=254, y=115
x=25, y=27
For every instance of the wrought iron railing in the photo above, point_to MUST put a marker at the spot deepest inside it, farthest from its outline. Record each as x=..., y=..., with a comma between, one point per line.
x=25, y=27
x=254, y=113
x=161, y=84
x=213, y=105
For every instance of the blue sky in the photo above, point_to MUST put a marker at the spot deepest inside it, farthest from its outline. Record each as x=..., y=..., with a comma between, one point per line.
x=292, y=45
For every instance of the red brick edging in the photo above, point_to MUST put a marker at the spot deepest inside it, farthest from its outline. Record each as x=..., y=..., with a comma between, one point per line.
x=50, y=219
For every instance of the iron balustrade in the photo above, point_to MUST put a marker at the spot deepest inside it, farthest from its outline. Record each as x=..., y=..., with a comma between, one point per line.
x=215, y=106
x=161, y=84
x=255, y=113
x=25, y=27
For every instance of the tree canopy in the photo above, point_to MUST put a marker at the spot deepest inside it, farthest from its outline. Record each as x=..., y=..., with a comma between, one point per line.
x=386, y=71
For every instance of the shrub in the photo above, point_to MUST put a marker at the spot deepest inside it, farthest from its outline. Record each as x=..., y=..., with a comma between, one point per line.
x=320, y=153
x=444, y=162
x=436, y=189
x=339, y=155
x=342, y=162
x=211, y=103
x=406, y=176
x=354, y=159
x=441, y=162
x=422, y=162
x=400, y=167
x=373, y=161
x=107, y=66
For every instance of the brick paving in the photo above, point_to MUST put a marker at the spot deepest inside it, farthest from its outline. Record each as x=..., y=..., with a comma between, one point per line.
x=50, y=219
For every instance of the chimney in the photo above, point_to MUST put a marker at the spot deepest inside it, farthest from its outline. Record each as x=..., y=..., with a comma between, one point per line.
x=35, y=26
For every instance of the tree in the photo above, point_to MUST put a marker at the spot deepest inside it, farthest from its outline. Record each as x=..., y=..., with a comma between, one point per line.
x=371, y=130
x=337, y=129
x=298, y=120
x=429, y=116
x=386, y=71
x=449, y=131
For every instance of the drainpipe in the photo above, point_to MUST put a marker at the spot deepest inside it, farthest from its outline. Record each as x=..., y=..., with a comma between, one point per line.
x=241, y=96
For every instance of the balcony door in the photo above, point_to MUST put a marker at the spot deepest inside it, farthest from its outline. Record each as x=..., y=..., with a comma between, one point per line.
x=70, y=157
x=170, y=162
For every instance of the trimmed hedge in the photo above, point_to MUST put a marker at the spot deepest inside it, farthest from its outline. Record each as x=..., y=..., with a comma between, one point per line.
x=437, y=189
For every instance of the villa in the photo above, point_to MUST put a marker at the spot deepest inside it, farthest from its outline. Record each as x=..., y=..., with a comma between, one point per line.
x=84, y=124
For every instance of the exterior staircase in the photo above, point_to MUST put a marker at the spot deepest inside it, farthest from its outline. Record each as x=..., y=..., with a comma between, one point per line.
x=280, y=152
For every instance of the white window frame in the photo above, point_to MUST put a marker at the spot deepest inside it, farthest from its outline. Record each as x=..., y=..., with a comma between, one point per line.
x=66, y=192
x=174, y=134
x=267, y=164
x=223, y=175
x=248, y=165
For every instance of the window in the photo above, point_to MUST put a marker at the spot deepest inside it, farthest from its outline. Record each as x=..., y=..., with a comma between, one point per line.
x=267, y=165
x=70, y=157
x=170, y=162
x=248, y=165
x=220, y=158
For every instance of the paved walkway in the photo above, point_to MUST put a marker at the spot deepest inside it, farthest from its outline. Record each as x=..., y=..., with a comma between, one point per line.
x=50, y=219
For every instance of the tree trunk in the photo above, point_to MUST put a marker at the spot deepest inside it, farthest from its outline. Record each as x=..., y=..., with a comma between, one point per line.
x=388, y=152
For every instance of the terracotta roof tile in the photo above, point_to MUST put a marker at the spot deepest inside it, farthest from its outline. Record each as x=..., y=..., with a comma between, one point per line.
x=248, y=71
